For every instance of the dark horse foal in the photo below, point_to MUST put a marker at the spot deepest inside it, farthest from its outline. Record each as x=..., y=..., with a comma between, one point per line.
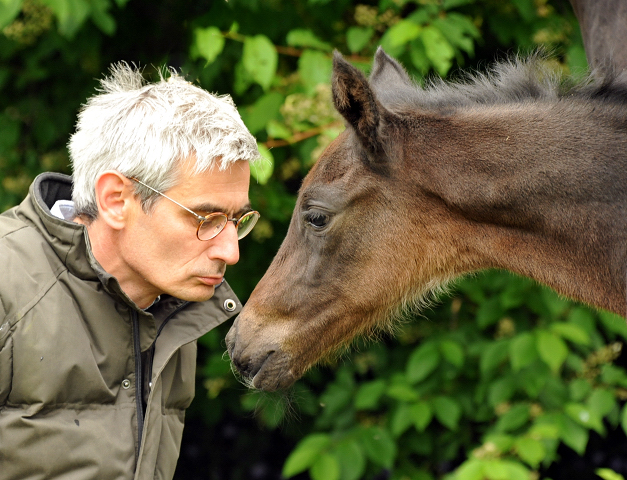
x=507, y=170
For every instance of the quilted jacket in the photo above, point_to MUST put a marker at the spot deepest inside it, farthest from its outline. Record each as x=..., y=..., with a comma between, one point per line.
x=91, y=386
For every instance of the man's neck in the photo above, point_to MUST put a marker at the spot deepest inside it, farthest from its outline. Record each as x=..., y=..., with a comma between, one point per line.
x=104, y=243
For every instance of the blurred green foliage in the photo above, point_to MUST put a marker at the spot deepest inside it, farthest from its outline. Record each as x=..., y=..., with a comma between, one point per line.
x=498, y=375
x=493, y=383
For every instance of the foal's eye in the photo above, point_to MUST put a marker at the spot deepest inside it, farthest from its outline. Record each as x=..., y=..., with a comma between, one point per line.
x=317, y=220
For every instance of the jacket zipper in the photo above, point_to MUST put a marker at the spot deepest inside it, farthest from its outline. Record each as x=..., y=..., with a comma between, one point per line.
x=139, y=384
x=152, y=347
x=139, y=387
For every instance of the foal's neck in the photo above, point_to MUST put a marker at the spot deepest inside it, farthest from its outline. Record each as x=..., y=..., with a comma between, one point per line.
x=539, y=190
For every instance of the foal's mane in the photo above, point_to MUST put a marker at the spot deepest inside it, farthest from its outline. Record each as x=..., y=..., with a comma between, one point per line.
x=513, y=81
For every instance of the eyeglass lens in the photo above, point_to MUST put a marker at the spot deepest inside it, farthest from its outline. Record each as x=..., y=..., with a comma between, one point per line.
x=215, y=223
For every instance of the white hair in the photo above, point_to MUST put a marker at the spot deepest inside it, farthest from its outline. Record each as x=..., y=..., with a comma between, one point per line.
x=146, y=130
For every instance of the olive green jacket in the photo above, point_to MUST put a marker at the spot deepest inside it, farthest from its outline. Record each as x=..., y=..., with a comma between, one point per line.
x=73, y=404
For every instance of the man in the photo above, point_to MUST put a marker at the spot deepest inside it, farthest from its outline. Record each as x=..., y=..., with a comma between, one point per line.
x=103, y=296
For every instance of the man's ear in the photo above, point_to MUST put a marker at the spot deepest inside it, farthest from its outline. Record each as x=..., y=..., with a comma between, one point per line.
x=115, y=198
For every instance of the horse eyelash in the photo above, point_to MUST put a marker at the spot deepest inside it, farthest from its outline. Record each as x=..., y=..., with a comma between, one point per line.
x=310, y=217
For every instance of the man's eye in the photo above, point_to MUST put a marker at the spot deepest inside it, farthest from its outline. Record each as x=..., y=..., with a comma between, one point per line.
x=317, y=220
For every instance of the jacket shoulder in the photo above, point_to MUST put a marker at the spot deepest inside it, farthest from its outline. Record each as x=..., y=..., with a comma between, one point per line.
x=10, y=223
x=29, y=263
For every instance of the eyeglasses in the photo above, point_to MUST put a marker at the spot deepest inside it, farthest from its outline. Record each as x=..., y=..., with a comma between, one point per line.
x=211, y=225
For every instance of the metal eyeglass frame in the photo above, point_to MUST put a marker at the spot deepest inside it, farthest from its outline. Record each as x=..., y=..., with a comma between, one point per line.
x=201, y=220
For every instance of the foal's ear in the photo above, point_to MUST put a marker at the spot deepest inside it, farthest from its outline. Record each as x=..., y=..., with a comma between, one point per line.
x=389, y=80
x=356, y=102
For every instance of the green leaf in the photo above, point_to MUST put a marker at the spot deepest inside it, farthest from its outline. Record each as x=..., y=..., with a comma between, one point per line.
x=9, y=133
x=583, y=415
x=493, y=356
x=421, y=414
x=401, y=420
x=459, y=31
x=101, y=16
x=208, y=43
x=71, y=14
x=260, y=59
x=439, y=51
x=526, y=8
x=422, y=362
x=243, y=79
x=368, y=394
x=277, y=129
x=623, y=418
x=336, y=398
x=514, y=418
x=352, y=460
x=601, y=401
x=301, y=37
x=614, y=375
x=470, y=470
x=574, y=435
x=266, y=108
x=495, y=469
x=530, y=450
x=545, y=427
x=262, y=169
x=501, y=441
x=9, y=10
x=358, y=37
x=522, y=351
x=501, y=390
x=447, y=411
x=326, y=467
x=571, y=332
x=608, y=474
x=379, y=446
x=452, y=352
x=270, y=411
x=399, y=34
x=305, y=454
x=554, y=303
x=552, y=349
x=579, y=389
x=613, y=323
x=516, y=471
x=402, y=392
x=449, y=4
x=534, y=378
x=419, y=59
x=498, y=469
x=583, y=318
x=489, y=312
x=314, y=68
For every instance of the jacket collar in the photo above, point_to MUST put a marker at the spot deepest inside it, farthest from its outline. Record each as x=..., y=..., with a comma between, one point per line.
x=69, y=240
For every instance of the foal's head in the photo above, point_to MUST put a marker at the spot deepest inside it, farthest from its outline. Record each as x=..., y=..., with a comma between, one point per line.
x=351, y=255
x=404, y=200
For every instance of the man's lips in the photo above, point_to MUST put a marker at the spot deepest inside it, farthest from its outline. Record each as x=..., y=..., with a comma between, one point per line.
x=213, y=280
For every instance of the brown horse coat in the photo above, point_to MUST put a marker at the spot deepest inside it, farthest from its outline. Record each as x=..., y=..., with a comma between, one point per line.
x=511, y=170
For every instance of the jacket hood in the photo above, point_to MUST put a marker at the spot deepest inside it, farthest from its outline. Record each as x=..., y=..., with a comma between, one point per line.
x=69, y=240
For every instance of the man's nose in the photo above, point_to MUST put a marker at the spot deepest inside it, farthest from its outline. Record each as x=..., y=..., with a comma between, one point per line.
x=225, y=246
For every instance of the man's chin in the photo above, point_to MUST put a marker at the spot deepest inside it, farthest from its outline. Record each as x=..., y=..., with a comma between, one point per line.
x=200, y=294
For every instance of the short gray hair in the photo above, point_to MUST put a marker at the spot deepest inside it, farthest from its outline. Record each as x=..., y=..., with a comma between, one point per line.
x=145, y=130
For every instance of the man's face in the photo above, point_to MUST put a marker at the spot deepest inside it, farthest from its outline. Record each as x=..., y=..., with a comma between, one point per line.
x=161, y=250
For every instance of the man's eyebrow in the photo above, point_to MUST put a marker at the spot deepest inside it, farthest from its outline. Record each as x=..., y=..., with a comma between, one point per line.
x=208, y=208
